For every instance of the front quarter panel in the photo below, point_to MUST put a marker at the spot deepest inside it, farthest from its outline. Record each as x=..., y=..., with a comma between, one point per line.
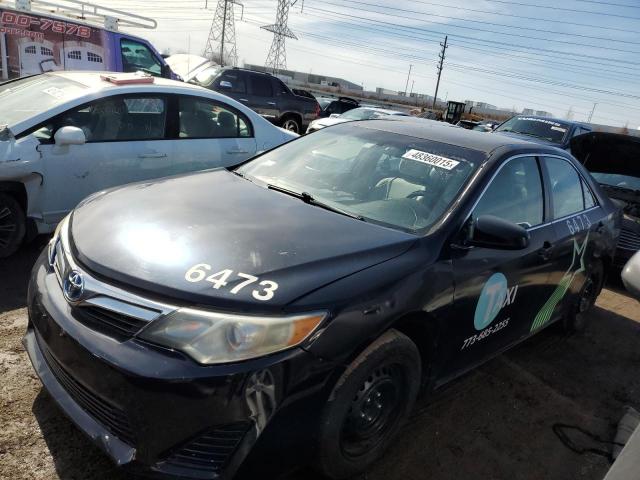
x=369, y=302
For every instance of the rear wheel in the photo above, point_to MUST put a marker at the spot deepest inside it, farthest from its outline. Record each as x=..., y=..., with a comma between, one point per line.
x=368, y=405
x=292, y=124
x=12, y=225
x=576, y=320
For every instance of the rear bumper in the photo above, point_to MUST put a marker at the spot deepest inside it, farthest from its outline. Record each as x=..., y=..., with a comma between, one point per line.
x=154, y=410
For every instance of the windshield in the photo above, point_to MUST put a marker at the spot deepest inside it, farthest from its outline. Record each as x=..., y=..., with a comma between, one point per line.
x=617, y=180
x=24, y=98
x=363, y=114
x=536, y=127
x=387, y=178
x=205, y=77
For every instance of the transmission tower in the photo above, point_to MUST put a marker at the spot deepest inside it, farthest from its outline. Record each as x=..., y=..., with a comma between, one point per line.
x=277, y=57
x=221, y=44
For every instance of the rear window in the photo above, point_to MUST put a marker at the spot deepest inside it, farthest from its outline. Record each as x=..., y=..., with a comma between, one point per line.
x=543, y=128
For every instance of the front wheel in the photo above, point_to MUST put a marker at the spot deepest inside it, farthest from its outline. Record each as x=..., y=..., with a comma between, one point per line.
x=291, y=124
x=12, y=225
x=368, y=405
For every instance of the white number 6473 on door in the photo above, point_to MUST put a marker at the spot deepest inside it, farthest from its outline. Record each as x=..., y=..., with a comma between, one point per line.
x=220, y=279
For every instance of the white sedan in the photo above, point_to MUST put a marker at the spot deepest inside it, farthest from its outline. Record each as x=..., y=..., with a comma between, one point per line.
x=66, y=135
x=361, y=113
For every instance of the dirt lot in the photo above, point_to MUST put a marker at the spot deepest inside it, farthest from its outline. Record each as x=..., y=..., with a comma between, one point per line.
x=494, y=423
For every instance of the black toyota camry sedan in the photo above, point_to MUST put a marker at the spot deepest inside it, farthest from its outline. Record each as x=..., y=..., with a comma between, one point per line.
x=312, y=291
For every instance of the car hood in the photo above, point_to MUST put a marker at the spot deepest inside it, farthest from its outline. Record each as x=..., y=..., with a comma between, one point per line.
x=148, y=235
x=529, y=138
x=608, y=153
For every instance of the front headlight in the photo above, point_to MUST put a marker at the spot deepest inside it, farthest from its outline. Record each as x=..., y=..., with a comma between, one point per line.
x=56, y=236
x=213, y=337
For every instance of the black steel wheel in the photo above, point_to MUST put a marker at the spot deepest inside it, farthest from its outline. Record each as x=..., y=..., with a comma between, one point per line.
x=12, y=225
x=368, y=405
x=576, y=319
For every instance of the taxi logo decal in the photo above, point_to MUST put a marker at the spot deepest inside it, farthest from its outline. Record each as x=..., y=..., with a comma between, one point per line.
x=494, y=297
x=576, y=267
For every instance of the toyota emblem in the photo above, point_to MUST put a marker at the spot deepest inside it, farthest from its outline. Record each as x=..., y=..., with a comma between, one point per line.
x=73, y=286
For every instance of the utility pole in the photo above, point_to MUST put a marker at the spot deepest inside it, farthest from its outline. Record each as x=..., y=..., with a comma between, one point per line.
x=592, y=110
x=222, y=35
x=277, y=57
x=407, y=84
x=441, y=56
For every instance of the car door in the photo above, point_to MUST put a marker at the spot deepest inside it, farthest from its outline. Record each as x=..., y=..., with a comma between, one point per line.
x=261, y=96
x=210, y=134
x=578, y=224
x=233, y=83
x=498, y=291
x=125, y=142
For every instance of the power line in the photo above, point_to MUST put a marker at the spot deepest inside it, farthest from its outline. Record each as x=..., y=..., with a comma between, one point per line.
x=562, y=9
x=221, y=43
x=525, y=17
x=484, y=30
x=466, y=37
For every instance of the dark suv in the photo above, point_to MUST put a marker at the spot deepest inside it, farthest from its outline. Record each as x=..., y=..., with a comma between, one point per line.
x=264, y=93
x=544, y=130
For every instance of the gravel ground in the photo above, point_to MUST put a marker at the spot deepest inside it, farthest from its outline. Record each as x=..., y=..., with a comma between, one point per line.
x=493, y=423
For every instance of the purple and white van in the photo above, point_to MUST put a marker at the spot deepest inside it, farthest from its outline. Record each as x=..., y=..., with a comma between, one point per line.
x=73, y=35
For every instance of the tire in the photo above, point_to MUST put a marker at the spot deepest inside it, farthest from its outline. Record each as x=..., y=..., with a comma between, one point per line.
x=292, y=124
x=576, y=319
x=12, y=225
x=368, y=405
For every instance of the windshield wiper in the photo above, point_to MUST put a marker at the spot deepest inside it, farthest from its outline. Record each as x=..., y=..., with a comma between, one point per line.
x=308, y=198
x=624, y=189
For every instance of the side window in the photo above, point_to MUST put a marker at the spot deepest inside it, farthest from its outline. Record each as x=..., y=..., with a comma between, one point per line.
x=261, y=86
x=589, y=199
x=202, y=118
x=566, y=188
x=334, y=107
x=515, y=194
x=137, y=56
x=280, y=87
x=231, y=81
x=119, y=119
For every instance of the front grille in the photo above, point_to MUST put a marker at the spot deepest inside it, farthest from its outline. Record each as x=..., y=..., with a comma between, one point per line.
x=111, y=417
x=116, y=325
x=211, y=451
x=629, y=240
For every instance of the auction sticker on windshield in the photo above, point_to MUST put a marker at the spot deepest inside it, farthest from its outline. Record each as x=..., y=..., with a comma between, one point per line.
x=431, y=159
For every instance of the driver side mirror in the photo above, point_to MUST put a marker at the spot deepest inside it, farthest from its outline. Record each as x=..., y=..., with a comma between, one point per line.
x=225, y=84
x=493, y=232
x=69, y=136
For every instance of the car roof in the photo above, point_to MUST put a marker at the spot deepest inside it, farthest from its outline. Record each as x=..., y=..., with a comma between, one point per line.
x=94, y=81
x=443, y=133
x=380, y=109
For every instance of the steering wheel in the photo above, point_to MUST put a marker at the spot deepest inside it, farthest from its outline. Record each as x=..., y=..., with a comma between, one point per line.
x=417, y=193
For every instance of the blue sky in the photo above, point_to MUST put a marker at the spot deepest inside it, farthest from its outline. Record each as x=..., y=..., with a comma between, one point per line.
x=563, y=57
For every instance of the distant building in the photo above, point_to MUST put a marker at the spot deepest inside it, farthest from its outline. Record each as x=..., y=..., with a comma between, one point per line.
x=385, y=91
x=528, y=111
x=542, y=113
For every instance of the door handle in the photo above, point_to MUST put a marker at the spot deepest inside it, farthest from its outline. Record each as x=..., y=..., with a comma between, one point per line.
x=243, y=99
x=152, y=155
x=237, y=150
x=271, y=103
x=546, y=251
